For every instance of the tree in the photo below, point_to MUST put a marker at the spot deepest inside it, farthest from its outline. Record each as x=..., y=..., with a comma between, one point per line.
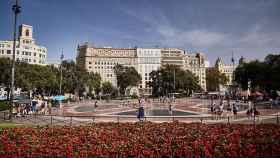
x=94, y=82
x=5, y=71
x=107, y=87
x=163, y=81
x=76, y=79
x=126, y=76
x=264, y=76
x=214, y=78
x=254, y=71
x=45, y=80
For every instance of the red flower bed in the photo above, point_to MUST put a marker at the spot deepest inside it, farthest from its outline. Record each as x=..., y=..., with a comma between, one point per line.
x=143, y=140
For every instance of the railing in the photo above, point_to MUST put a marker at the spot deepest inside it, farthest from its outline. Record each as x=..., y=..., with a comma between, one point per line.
x=71, y=120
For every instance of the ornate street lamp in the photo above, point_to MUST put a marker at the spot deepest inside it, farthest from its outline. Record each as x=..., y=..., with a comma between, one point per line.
x=16, y=10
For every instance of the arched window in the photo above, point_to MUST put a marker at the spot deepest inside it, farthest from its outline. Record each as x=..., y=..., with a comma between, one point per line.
x=27, y=33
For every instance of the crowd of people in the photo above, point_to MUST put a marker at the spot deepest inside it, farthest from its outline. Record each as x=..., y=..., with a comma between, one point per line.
x=231, y=109
x=37, y=105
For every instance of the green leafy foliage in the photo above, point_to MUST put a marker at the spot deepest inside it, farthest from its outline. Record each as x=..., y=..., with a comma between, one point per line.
x=163, y=81
x=107, y=87
x=126, y=76
x=263, y=75
x=46, y=79
x=214, y=78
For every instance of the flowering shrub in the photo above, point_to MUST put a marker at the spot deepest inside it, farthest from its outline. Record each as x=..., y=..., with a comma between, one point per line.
x=143, y=140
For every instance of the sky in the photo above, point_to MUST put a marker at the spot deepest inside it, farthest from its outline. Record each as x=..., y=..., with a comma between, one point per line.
x=217, y=28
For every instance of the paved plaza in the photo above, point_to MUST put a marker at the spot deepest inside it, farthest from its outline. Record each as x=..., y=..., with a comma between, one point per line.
x=197, y=110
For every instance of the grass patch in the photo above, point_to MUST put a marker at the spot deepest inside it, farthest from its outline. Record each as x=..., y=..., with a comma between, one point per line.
x=8, y=125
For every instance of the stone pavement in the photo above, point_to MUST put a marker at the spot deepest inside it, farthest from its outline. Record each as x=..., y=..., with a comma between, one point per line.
x=70, y=116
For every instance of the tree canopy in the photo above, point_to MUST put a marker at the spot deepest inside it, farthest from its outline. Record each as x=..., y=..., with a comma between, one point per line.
x=263, y=75
x=46, y=79
x=126, y=76
x=214, y=78
x=163, y=81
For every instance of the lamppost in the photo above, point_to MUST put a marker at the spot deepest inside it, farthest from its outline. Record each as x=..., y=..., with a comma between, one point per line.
x=16, y=10
x=233, y=76
x=60, y=83
x=174, y=86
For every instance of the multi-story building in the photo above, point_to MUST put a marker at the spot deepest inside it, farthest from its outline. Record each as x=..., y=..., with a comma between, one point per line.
x=26, y=48
x=195, y=62
x=148, y=60
x=172, y=56
x=103, y=60
x=144, y=60
x=228, y=70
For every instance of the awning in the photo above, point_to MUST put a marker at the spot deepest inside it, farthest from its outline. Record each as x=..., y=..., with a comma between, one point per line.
x=58, y=98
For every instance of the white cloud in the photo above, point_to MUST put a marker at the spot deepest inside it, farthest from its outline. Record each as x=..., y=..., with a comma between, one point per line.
x=255, y=43
x=193, y=38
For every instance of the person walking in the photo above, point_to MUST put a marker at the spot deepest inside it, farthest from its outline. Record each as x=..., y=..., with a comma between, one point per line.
x=141, y=109
x=170, y=107
x=234, y=110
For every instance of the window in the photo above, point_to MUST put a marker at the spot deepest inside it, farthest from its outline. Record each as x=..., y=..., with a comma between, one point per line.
x=27, y=33
x=34, y=54
x=2, y=51
x=34, y=61
x=8, y=51
x=89, y=62
x=17, y=52
x=22, y=52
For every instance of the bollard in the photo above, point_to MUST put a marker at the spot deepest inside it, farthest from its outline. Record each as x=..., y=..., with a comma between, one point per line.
x=200, y=120
x=228, y=119
x=173, y=118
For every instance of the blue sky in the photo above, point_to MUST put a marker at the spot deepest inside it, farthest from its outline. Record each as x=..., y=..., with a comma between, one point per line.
x=214, y=27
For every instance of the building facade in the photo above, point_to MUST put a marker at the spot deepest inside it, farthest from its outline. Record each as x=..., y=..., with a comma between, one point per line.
x=103, y=60
x=172, y=56
x=26, y=48
x=228, y=70
x=148, y=60
x=195, y=62
x=144, y=60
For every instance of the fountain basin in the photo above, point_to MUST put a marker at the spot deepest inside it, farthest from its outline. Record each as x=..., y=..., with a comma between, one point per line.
x=156, y=112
